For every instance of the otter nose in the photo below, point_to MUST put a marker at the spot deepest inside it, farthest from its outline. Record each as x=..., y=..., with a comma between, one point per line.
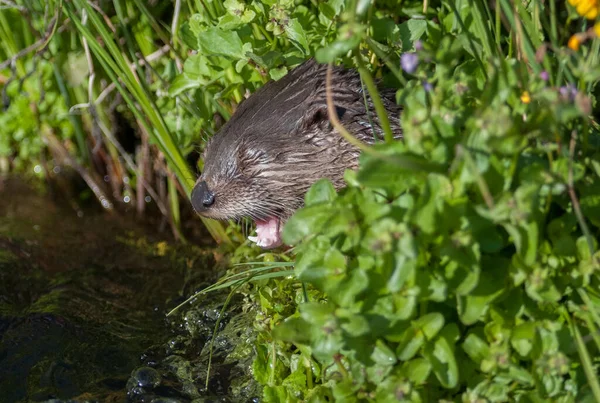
x=202, y=198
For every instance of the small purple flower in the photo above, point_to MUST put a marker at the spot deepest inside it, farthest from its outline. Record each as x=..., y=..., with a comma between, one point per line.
x=568, y=92
x=544, y=75
x=409, y=62
x=418, y=45
x=427, y=86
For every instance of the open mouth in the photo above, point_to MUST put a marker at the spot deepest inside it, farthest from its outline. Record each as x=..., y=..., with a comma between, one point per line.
x=268, y=233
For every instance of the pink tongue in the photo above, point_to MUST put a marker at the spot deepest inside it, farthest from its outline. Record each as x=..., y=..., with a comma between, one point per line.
x=267, y=233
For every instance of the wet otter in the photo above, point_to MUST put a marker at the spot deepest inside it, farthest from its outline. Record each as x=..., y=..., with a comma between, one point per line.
x=279, y=142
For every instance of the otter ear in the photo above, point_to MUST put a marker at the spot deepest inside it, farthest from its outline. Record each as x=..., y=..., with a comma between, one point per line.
x=319, y=116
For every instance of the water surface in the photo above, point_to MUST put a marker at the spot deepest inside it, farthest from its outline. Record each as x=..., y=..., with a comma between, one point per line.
x=83, y=297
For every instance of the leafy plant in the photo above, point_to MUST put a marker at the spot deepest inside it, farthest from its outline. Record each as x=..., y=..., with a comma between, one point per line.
x=469, y=283
x=468, y=272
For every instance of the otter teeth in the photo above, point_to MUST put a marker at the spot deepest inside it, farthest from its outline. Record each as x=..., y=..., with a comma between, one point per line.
x=267, y=233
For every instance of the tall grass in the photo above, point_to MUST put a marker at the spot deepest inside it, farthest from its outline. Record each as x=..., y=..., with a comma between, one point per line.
x=62, y=32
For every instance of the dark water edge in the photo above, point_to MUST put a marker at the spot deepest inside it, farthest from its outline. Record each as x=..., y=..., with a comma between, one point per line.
x=83, y=298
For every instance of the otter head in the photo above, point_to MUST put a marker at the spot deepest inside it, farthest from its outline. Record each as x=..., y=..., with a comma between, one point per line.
x=277, y=144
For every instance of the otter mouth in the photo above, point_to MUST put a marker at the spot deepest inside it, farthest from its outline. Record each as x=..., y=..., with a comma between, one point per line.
x=268, y=233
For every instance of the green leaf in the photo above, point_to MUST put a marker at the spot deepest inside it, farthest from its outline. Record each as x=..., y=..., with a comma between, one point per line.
x=417, y=370
x=356, y=325
x=410, y=31
x=346, y=291
x=382, y=354
x=306, y=221
x=321, y=191
x=441, y=357
x=317, y=313
x=215, y=41
x=274, y=394
x=476, y=348
x=522, y=338
x=474, y=306
x=583, y=248
x=349, y=38
x=345, y=391
x=295, y=383
x=183, y=83
x=431, y=203
x=429, y=324
x=412, y=341
x=327, y=11
x=293, y=330
x=188, y=36
x=403, y=270
x=278, y=73
x=297, y=35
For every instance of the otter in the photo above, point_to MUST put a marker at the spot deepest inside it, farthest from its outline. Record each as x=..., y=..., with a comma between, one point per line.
x=280, y=141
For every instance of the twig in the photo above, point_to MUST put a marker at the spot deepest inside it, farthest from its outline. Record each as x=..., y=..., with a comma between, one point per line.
x=91, y=79
x=175, y=21
x=104, y=16
x=66, y=157
x=143, y=157
x=131, y=164
x=111, y=87
x=103, y=128
x=11, y=5
x=37, y=47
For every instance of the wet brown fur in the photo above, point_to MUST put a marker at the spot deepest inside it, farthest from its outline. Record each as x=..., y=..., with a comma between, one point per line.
x=280, y=141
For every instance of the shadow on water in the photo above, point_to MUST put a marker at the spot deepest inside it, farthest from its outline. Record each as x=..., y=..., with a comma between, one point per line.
x=82, y=311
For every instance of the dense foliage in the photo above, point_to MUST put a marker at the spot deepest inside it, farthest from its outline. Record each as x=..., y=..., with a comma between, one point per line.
x=469, y=281
x=459, y=264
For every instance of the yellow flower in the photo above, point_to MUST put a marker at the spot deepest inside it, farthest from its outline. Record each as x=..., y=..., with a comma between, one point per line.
x=586, y=8
x=574, y=42
x=597, y=29
x=525, y=97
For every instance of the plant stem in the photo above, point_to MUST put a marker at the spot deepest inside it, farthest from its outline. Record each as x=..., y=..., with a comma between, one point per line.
x=379, y=107
x=585, y=360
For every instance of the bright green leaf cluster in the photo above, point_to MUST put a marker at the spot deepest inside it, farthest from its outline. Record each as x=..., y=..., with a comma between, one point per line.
x=467, y=282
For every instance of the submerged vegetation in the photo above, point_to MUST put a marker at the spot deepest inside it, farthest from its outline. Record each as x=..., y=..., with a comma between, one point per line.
x=459, y=264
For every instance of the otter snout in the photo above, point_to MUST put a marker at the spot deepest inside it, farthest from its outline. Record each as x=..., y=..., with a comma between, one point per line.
x=202, y=197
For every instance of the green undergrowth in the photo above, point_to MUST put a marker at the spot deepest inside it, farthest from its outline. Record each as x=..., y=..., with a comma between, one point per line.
x=471, y=278
x=471, y=284
x=459, y=264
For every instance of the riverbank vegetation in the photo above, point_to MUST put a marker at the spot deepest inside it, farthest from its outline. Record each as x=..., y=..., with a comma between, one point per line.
x=459, y=264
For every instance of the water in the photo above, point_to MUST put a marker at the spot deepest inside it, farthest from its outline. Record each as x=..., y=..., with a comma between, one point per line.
x=83, y=298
